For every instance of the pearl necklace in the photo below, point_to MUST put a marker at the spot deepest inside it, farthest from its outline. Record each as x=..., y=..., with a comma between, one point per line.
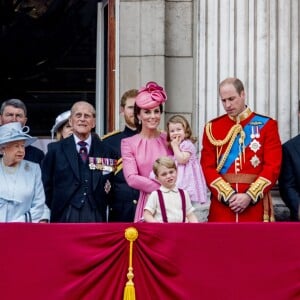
x=8, y=169
x=10, y=176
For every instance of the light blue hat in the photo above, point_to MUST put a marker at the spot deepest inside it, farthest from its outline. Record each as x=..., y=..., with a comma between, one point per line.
x=14, y=131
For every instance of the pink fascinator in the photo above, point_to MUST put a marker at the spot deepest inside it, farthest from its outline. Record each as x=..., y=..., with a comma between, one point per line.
x=151, y=96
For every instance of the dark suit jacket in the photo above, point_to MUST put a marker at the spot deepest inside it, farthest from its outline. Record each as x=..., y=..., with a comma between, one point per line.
x=61, y=178
x=34, y=154
x=289, y=179
x=124, y=200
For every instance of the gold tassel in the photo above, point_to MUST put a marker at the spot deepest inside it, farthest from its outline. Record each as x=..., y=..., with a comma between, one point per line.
x=131, y=234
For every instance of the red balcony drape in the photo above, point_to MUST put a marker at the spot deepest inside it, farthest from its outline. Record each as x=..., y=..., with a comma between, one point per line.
x=170, y=261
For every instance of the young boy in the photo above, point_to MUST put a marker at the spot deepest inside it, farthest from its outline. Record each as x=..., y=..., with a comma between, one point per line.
x=168, y=204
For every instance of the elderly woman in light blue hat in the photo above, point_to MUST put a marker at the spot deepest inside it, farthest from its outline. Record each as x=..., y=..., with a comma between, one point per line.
x=22, y=197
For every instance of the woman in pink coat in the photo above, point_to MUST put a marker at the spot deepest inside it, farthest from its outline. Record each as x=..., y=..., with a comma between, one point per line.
x=141, y=150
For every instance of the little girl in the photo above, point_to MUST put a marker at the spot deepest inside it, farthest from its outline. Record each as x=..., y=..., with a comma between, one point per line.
x=190, y=176
x=168, y=203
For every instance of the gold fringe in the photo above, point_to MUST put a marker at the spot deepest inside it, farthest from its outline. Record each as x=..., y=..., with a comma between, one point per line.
x=131, y=234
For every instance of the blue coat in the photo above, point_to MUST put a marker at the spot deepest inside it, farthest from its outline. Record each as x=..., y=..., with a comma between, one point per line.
x=21, y=193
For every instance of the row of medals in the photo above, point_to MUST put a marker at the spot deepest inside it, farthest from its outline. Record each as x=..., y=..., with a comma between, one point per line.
x=255, y=145
x=100, y=163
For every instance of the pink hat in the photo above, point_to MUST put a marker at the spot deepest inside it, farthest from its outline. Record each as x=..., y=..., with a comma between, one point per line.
x=150, y=96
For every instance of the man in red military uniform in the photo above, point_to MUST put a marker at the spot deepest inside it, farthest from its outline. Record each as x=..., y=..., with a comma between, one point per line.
x=241, y=158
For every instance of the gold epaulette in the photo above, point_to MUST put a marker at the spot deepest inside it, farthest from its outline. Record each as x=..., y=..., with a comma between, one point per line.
x=110, y=134
x=256, y=190
x=224, y=189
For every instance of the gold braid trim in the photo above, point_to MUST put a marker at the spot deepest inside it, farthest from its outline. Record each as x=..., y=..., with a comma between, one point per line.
x=119, y=166
x=256, y=189
x=224, y=189
x=230, y=137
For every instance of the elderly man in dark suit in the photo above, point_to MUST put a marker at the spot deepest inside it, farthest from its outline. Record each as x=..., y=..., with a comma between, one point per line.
x=77, y=171
x=289, y=179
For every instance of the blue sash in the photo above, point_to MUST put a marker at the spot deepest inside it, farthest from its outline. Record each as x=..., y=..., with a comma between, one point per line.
x=258, y=121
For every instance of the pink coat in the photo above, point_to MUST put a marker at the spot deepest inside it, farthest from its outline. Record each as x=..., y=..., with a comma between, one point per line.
x=139, y=154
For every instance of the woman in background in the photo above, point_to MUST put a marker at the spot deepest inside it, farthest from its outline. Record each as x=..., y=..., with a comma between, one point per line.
x=62, y=126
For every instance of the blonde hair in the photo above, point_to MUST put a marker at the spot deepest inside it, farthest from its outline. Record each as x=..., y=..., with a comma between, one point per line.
x=59, y=131
x=165, y=161
x=187, y=128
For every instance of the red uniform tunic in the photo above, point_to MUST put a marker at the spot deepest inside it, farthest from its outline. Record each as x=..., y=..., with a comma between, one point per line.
x=240, y=155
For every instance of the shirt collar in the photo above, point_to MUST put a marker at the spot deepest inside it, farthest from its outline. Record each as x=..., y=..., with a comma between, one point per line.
x=166, y=190
x=88, y=140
